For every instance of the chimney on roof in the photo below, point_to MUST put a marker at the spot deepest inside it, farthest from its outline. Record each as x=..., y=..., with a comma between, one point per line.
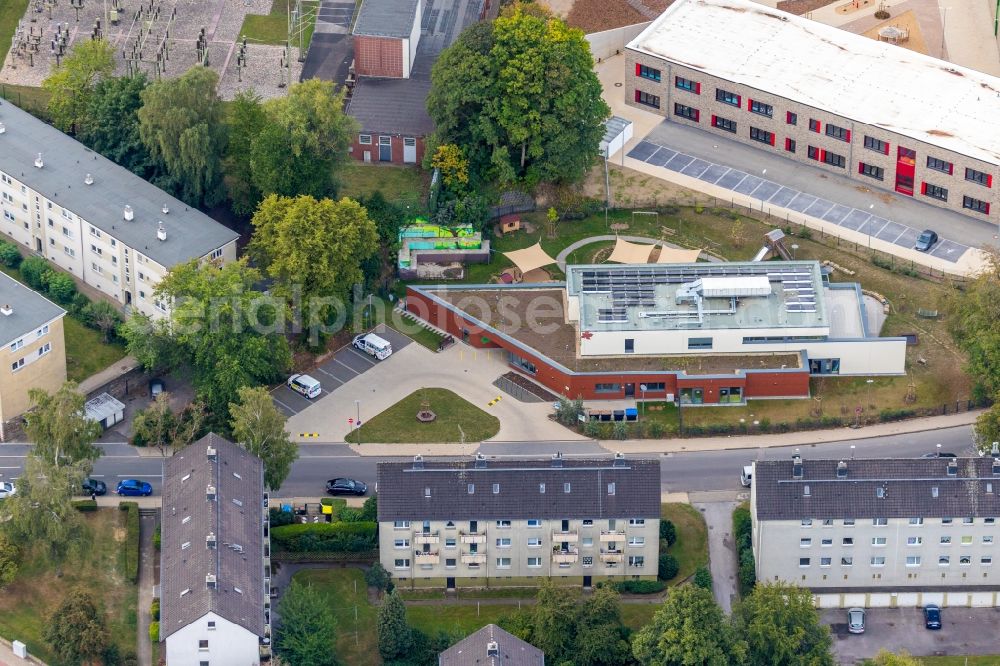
x=418, y=461
x=619, y=459
x=796, y=466
x=841, y=470
x=38, y=161
x=480, y=461
x=88, y=180
x=210, y=492
x=210, y=541
x=6, y=310
x=210, y=581
x=212, y=453
x=161, y=233
x=557, y=460
x=165, y=209
x=995, y=450
x=492, y=649
x=127, y=214
x=952, y=467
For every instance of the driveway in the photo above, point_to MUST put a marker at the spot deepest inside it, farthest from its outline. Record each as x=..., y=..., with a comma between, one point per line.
x=721, y=550
x=346, y=364
x=965, y=631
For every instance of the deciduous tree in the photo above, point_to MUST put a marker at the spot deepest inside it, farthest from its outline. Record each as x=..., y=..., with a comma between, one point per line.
x=453, y=165
x=77, y=631
x=886, y=658
x=601, y=638
x=41, y=512
x=781, y=627
x=71, y=84
x=520, y=97
x=394, y=636
x=181, y=124
x=260, y=428
x=10, y=561
x=306, y=635
x=62, y=434
x=111, y=122
x=689, y=629
x=104, y=317
x=246, y=119
x=555, y=622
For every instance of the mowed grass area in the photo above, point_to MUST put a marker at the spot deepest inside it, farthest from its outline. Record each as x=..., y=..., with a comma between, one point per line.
x=404, y=185
x=691, y=547
x=26, y=603
x=272, y=28
x=347, y=592
x=455, y=416
x=86, y=351
x=11, y=11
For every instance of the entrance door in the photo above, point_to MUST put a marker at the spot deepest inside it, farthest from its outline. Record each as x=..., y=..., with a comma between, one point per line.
x=450, y=582
x=630, y=390
x=906, y=160
x=385, y=149
x=587, y=581
x=38, y=245
x=128, y=298
x=409, y=150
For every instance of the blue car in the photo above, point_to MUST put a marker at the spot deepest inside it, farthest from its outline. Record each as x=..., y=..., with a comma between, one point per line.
x=134, y=487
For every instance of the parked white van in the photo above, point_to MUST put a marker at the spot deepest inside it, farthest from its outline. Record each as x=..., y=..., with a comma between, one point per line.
x=372, y=344
x=746, y=476
x=305, y=385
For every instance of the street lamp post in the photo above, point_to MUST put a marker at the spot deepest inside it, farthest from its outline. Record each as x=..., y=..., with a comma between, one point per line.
x=871, y=207
x=642, y=387
x=794, y=248
x=357, y=423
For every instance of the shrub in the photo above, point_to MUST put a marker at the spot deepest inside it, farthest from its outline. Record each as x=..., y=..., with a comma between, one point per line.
x=620, y=430
x=85, y=505
x=349, y=514
x=668, y=532
x=592, y=429
x=896, y=414
x=9, y=255
x=742, y=525
x=279, y=517
x=154, y=632
x=655, y=429
x=34, y=271
x=131, y=540
x=61, y=287
x=369, y=511
x=154, y=610
x=640, y=586
x=376, y=576
x=668, y=567
x=157, y=538
x=325, y=537
x=699, y=209
x=703, y=578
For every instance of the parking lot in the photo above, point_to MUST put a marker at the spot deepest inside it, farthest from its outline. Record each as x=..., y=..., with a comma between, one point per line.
x=346, y=364
x=964, y=631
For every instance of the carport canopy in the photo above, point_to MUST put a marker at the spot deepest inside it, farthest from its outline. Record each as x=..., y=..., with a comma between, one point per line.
x=530, y=258
x=630, y=253
x=676, y=255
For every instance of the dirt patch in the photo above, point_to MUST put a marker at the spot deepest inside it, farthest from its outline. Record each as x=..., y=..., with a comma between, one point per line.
x=631, y=188
x=119, y=534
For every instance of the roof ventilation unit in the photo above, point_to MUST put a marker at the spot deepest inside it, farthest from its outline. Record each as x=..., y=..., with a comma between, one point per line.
x=796, y=467
x=128, y=215
x=6, y=310
x=418, y=461
x=841, y=470
x=210, y=541
x=557, y=460
x=165, y=209
x=212, y=453
x=492, y=649
x=480, y=461
x=210, y=581
x=161, y=233
x=210, y=492
x=88, y=180
x=38, y=161
x=619, y=459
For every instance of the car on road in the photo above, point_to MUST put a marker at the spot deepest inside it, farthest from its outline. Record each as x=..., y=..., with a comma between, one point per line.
x=94, y=486
x=939, y=454
x=306, y=385
x=7, y=489
x=856, y=620
x=345, y=487
x=156, y=387
x=932, y=616
x=926, y=241
x=746, y=476
x=134, y=488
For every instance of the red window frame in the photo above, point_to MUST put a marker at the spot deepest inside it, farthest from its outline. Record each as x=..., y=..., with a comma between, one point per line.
x=788, y=144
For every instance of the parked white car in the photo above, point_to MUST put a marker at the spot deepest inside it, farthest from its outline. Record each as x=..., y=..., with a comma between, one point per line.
x=305, y=385
x=7, y=489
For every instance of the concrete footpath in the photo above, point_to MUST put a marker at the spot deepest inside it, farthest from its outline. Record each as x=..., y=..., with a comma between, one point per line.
x=7, y=657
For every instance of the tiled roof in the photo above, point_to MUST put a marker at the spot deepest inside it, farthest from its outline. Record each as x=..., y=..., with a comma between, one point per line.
x=475, y=650
x=519, y=489
x=878, y=488
x=235, y=518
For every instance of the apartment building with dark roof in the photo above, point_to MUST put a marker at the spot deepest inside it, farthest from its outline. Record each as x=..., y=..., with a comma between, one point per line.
x=214, y=560
x=485, y=522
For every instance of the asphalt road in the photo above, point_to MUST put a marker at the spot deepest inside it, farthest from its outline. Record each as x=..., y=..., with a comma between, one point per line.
x=681, y=472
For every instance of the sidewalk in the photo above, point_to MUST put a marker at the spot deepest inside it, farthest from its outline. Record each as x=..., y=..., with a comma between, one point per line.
x=112, y=500
x=99, y=379
x=7, y=657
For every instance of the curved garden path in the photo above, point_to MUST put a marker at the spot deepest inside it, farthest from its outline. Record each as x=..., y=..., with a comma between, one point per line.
x=561, y=257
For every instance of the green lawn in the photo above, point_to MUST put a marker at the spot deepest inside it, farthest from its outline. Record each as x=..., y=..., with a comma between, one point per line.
x=272, y=28
x=691, y=547
x=348, y=596
x=405, y=185
x=11, y=11
x=27, y=602
x=86, y=351
x=455, y=415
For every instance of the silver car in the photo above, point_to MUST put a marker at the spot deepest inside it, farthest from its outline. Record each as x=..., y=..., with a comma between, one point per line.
x=856, y=620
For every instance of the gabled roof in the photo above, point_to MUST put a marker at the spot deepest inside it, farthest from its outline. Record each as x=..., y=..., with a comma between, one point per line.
x=190, y=233
x=560, y=488
x=877, y=488
x=235, y=517
x=29, y=310
x=492, y=646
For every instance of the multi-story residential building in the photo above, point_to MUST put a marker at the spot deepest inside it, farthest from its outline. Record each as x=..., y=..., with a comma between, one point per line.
x=31, y=331
x=215, y=567
x=95, y=220
x=888, y=117
x=701, y=333
x=511, y=522
x=880, y=532
x=492, y=646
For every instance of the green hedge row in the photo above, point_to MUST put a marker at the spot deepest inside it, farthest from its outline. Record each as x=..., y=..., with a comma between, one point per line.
x=131, y=540
x=325, y=537
x=640, y=586
x=85, y=505
x=298, y=558
x=742, y=527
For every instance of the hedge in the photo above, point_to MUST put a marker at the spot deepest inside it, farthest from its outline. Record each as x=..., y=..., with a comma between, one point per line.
x=85, y=505
x=154, y=632
x=154, y=610
x=361, y=557
x=325, y=537
x=640, y=586
x=157, y=538
x=131, y=540
x=742, y=527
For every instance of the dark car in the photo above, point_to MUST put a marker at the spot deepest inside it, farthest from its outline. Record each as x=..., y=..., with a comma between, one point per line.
x=926, y=241
x=94, y=487
x=932, y=616
x=939, y=454
x=134, y=487
x=345, y=487
x=156, y=387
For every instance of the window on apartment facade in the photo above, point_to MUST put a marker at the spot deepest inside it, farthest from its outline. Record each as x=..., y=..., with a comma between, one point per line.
x=872, y=171
x=986, y=560
x=807, y=522
x=534, y=522
x=940, y=165
x=934, y=191
x=450, y=542
x=761, y=108
x=637, y=541
x=967, y=541
x=534, y=562
x=946, y=521
x=534, y=542
x=647, y=72
x=401, y=563
x=450, y=563
x=203, y=645
x=69, y=251
x=833, y=159
x=365, y=139
x=847, y=561
x=687, y=84
x=503, y=563
x=789, y=145
x=646, y=98
x=913, y=560
x=815, y=125
x=216, y=254
x=826, y=543
x=838, y=132
x=45, y=349
x=825, y=561
x=503, y=542
x=724, y=124
x=762, y=135
x=847, y=541
x=503, y=524
x=944, y=560
x=17, y=365
x=805, y=542
x=686, y=112
x=976, y=205
x=916, y=522
x=727, y=97
x=978, y=177
x=965, y=560
x=988, y=540
x=878, y=561
x=946, y=541
x=879, y=146
x=791, y=118
x=968, y=520
x=401, y=543
x=401, y=525
x=699, y=343
x=878, y=541
x=812, y=152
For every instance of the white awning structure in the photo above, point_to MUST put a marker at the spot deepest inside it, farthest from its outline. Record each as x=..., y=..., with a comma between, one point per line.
x=673, y=255
x=530, y=258
x=630, y=253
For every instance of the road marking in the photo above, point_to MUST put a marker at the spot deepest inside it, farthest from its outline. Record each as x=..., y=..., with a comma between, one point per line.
x=97, y=476
x=337, y=360
x=18, y=467
x=308, y=434
x=494, y=401
x=294, y=411
x=139, y=476
x=363, y=355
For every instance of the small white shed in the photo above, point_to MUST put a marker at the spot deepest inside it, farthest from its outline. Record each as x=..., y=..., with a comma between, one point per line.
x=617, y=132
x=105, y=409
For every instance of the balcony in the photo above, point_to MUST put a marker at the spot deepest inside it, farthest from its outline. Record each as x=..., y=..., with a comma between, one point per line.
x=565, y=556
x=612, y=535
x=474, y=558
x=473, y=538
x=569, y=536
x=430, y=557
x=612, y=556
x=426, y=537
